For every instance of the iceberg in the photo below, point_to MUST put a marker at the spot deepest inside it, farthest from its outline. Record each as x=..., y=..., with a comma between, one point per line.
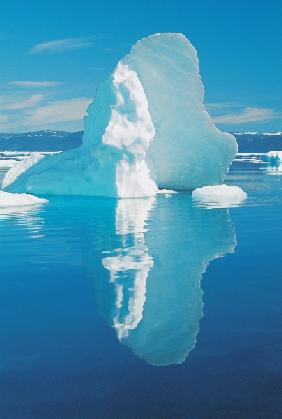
x=146, y=130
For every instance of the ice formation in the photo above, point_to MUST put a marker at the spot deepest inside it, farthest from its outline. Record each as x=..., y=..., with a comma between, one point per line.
x=146, y=129
x=19, y=200
x=20, y=167
x=219, y=195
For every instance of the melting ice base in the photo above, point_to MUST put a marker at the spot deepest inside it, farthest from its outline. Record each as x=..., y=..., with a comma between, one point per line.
x=146, y=129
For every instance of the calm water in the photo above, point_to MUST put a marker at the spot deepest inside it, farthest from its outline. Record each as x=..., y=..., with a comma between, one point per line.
x=151, y=308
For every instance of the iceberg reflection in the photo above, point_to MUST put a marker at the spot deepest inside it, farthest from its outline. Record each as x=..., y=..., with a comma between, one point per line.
x=154, y=295
x=130, y=264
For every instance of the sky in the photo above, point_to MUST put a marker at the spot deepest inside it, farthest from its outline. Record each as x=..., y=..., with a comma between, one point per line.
x=54, y=54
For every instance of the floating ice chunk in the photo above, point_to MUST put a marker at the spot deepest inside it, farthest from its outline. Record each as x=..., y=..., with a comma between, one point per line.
x=219, y=195
x=274, y=158
x=166, y=192
x=19, y=200
x=147, y=129
x=274, y=162
x=19, y=167
x=7, y=163
x=275, y=154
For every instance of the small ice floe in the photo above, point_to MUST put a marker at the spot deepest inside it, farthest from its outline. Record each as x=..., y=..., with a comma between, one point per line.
x=7, y=163
x=166, y=192
x=219, y=196
x=256, y=158
x=273, y=158
x=19, y=200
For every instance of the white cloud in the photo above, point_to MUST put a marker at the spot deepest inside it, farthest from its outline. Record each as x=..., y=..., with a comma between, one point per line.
x=59, y=111
x=61, y=45
x=29, y=83
x=3, y=119
x=247, y=115
x=221, y=105
x=13, y=103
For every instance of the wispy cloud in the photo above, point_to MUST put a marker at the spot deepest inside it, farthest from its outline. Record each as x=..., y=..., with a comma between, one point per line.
x=247, y=115
x=33, y=84
x=213, y=106
x=61, y=45
x=3, y=119
x=59, y=111
x=9, y=103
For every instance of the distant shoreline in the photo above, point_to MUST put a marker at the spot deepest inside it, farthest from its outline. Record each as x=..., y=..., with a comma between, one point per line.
x=49, y=140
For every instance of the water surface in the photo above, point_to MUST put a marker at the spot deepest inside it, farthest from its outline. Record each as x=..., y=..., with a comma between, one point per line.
x=148, y=308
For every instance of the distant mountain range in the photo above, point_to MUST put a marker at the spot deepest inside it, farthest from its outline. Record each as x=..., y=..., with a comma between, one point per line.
x=48, y=140
x=258, y=142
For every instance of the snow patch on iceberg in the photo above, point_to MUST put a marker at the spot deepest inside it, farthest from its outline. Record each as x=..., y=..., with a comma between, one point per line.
x=219, y=195
x=146, y=129
x=19, y=200
x=130, y=130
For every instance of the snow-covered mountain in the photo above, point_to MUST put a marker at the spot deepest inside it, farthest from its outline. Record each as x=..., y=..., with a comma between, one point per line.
x=47, y=140
x=259, y=142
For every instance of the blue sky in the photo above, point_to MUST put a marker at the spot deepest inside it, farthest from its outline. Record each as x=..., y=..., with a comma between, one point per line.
x=55, y=53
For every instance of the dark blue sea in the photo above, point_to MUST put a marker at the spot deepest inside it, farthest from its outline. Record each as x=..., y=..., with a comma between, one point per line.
x=147, y=308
